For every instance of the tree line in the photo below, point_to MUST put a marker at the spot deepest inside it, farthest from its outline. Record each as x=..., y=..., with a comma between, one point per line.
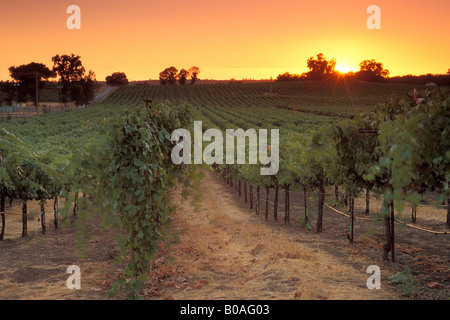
x=320, y=68
x=171, y=75
x=75, y=84
x=370, y=70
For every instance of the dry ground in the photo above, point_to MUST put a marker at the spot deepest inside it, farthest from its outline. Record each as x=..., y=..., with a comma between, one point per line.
x=224, y=251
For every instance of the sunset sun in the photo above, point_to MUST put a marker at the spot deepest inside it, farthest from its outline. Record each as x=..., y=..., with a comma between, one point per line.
x=342, y=68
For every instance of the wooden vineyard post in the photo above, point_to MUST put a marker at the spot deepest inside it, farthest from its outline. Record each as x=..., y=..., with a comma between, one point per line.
x=267, y=203
x=387, y=246
x=350, y=202
x=320, y=206
x=392, y=232
x=352, y=221
x=251, y=196
x=258, y=199
x=24, y=218
x=43, y=218
x=414, y=213
x=55, y=212
x=448, y=212
x=275, y=206
x=245, y=192
x=2, y=213
x=367, y=201
x=389, y=221
x=75, y=205
x=287, y=208
x=306, y=205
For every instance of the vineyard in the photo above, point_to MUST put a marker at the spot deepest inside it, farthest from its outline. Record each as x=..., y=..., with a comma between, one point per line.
x=334, y=179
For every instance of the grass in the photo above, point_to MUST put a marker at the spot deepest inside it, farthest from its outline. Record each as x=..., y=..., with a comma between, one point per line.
x=404, y=282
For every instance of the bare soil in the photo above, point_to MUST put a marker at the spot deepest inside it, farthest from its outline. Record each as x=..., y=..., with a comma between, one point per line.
x=226, y=251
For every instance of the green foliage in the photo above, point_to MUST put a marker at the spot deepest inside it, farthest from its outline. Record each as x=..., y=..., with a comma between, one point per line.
x=117, y=154
x=305, y=223
x=405, y=282
x=128, y=173
x=414, y=141
x=355, y=154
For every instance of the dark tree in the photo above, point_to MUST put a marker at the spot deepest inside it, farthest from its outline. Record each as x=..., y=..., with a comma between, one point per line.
x=82, y=92
x=289, y=77
x=11, y=91
x=28, y=75
x=194, y=72
x=117, y=79
x=320, y=67
x=370, y=70
x=182, y=76
x=70, y=70
x=168, y=76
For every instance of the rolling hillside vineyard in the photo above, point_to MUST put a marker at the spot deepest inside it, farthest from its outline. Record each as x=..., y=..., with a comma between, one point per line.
x=114, y=159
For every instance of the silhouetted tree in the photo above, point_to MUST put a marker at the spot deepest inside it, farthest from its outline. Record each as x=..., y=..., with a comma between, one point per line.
x=438, y=79
x=26, y=75
x=289, y=77
x=182, y=76
x=168, y=76
x=194, y=72
x=370, y=70
x=82, y=91
x=117, y=79
x=10, y=89
x=70, y=70
x=88, y=84
x=320, y=67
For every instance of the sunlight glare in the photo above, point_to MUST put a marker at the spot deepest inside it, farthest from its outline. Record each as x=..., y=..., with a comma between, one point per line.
x=344, y=68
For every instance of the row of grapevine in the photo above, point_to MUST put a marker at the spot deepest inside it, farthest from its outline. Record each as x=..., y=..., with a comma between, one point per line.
x=124, y=168
x=393, y=163
x=128, y=173
x=26, y=175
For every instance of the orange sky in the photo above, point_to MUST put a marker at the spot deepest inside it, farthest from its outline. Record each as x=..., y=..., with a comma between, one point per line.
x=228, y=38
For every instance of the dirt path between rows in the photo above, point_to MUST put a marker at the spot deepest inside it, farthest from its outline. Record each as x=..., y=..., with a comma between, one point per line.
x=226, y=252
